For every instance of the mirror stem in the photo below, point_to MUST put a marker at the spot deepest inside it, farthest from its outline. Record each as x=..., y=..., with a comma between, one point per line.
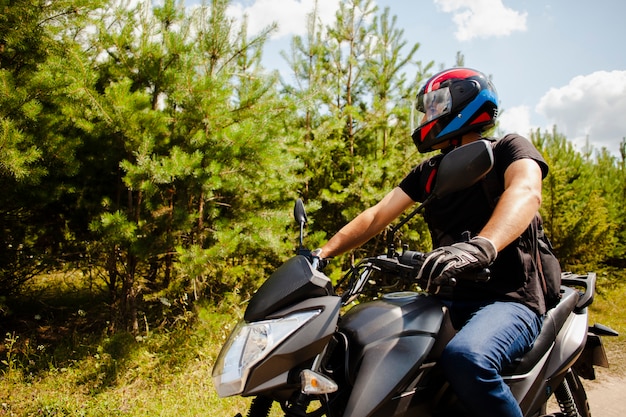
x=391, y=237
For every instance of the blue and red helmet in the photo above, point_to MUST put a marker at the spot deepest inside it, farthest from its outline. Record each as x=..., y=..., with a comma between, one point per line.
x=452, y=103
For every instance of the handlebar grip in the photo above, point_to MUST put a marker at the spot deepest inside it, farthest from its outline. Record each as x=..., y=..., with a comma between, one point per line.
x=412, y=258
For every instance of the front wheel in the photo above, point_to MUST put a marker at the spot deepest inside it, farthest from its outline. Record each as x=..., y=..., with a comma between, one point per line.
x=572, y=397
x=260, y=407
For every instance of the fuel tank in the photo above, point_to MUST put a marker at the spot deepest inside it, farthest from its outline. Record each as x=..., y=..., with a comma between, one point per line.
x=389, y=339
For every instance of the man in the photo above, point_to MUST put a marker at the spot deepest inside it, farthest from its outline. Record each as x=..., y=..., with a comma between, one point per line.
x=498, y=320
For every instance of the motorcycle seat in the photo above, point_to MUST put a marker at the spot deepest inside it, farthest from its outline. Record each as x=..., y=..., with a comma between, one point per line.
x=552, y=323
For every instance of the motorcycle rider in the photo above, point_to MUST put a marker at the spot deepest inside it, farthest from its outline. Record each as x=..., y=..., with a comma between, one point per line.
x=500, y=319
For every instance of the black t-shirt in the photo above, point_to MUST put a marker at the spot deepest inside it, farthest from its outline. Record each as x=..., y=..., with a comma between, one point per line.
x=513, y=274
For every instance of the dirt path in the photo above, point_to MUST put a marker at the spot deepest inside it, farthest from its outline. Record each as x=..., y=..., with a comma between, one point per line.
x=607, y=394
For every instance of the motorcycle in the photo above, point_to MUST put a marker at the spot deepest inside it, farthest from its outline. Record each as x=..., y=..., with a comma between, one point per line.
x=369, y=346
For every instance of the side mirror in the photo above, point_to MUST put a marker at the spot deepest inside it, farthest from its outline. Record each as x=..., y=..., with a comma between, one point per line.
x=463, y=167
x=299, y=213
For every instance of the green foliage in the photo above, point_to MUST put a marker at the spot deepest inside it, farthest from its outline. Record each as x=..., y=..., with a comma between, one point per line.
x=149, y=148
x=581, y=203
x=41, y=81
x=183, y=104
x=355, y=101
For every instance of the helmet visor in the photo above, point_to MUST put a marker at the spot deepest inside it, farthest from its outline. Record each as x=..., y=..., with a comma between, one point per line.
x=433, y=105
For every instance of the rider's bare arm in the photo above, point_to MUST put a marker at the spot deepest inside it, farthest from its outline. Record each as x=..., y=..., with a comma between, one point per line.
x=368, y=224
x=517, y=205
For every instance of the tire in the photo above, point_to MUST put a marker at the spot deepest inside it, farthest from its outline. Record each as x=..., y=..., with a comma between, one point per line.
x=260, y=407
x=572, y=388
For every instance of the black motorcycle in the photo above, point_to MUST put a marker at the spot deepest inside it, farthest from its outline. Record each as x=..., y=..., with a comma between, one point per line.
x=369, y=347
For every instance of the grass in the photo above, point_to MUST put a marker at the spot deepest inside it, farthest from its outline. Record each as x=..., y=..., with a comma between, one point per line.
x=58, y=359
x=148, y=382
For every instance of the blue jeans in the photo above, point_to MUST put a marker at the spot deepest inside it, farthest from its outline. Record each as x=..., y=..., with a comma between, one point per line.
x=495, y=334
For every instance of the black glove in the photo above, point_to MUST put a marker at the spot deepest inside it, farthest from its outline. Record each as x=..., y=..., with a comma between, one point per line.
x=445, y=262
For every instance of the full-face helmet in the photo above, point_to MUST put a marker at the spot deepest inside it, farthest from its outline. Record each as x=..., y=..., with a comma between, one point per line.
x=452, y=103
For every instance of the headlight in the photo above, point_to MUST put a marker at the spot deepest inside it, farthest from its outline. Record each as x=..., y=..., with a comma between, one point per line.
x=248, y=344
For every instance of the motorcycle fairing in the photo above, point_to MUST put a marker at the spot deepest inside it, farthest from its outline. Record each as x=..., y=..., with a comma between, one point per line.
x=389, y=340
x=302, y=346
x=293, y=281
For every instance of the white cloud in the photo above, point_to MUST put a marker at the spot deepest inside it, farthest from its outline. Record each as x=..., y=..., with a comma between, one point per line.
x=482, y=18
x=515, y=120
x=291, y=15
x=589, y=107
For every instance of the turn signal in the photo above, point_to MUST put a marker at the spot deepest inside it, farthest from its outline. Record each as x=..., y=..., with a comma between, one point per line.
x=314, y=383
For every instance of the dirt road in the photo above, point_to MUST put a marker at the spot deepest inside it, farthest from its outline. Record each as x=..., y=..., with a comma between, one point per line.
x=607, y=394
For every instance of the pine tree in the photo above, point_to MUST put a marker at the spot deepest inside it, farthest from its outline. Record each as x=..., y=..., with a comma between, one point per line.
x=42, y=79
x=355, y=101
x=201, y=195
x=575, y=207
x=391, y=152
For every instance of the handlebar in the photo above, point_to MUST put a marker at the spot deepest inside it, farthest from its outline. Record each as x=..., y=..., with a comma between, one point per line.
x=403, y=268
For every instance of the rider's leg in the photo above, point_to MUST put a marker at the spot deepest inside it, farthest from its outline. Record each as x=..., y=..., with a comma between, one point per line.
x=494, y=335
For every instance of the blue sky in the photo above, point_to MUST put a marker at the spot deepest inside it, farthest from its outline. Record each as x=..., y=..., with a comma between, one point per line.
x=553, y=62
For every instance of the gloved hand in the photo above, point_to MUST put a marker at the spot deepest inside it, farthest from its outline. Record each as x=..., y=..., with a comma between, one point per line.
x=321, y=262
x=445, y=262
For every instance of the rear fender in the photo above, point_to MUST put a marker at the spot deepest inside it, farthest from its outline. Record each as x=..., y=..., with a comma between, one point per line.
x=593, y=354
